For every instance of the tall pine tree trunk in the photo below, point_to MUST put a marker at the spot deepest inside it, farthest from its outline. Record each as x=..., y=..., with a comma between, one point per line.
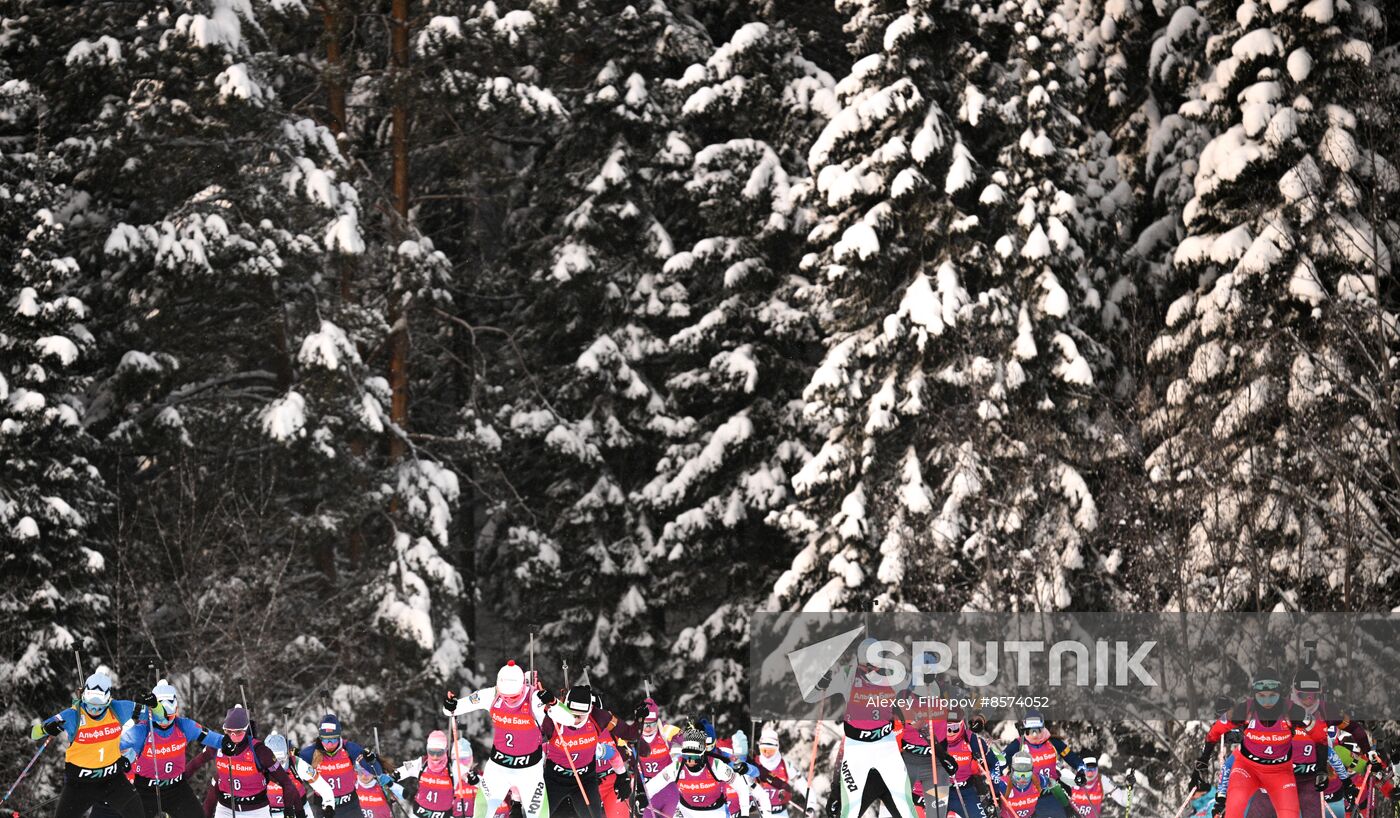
x=333, y=15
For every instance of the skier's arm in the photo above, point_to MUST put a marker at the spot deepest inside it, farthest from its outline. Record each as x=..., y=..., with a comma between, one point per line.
x=1335, y=762
x=64, y=721
x=134, y=737
x=364, y=758
x=409, y=769
x=472, y=702
x=609, y=723
x=537, y=703
x=211, y=801
x=1317, y=731
x=765, y=802
x=200, y=759
x=662, y=779
x=739, y=783
x=1071, y=757
x=1220, y=727
x=841, y=681
x=1359, y=734
x=1060, y=794
x=1112, y=790
x=1222, y=787
x=273, y=771
x=982, y=756
x=999, y=768
x=196, y=733
x=301, y=764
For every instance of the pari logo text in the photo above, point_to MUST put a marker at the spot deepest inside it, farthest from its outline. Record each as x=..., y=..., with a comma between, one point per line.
x=1022, y=663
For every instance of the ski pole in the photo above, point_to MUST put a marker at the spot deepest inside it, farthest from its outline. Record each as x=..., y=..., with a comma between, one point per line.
x=42, y=747
x=933, y=769
x=1128, y=806
x=1361, y=790
x=155, y=760
x=1191, y=796
x=243, y=697
x=577, y=778
x=559, y=737
x=987, y=771
x=457, y=799
x=812, y=763
x=391, y=796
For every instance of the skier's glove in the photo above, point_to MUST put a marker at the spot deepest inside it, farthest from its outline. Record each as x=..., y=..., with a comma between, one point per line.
x=1200, y=776
x=1234, y=738
x=825, y=681
x=449, y=703
x=640, y=713
x=546, y=698
x=228, y=747
x=386, y=780
x=43, y=728
x=368, y=758
x=1218, y=808
x=123, y=764
x=1320, y=782
x=147, y=700
x=473, y=778
x=623, y=786
x=949, y=764
x=977, y=723
x=1080, y=779
x=1350, y=793
x=596, y=700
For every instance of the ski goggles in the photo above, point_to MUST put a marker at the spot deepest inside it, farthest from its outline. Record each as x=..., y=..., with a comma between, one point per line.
x=236, y=734
x=1260, y=685
x=767, y=750
x=95, y=699
x=435, y=753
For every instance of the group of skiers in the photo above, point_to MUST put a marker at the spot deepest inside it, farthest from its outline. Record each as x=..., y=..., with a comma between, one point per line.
x=1288, y=748
x=573, y=755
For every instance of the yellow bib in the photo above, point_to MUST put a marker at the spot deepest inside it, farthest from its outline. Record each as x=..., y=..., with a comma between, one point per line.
x=98, y=742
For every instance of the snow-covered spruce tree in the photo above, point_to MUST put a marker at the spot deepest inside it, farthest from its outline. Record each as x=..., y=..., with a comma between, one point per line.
x=237, y=393
x=736, y=367
x=1170, y=143
x=1268, y=411
x=959, y=388
x=588, y=418
x=52, y=498
x=478, y=113
x=882, y=166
